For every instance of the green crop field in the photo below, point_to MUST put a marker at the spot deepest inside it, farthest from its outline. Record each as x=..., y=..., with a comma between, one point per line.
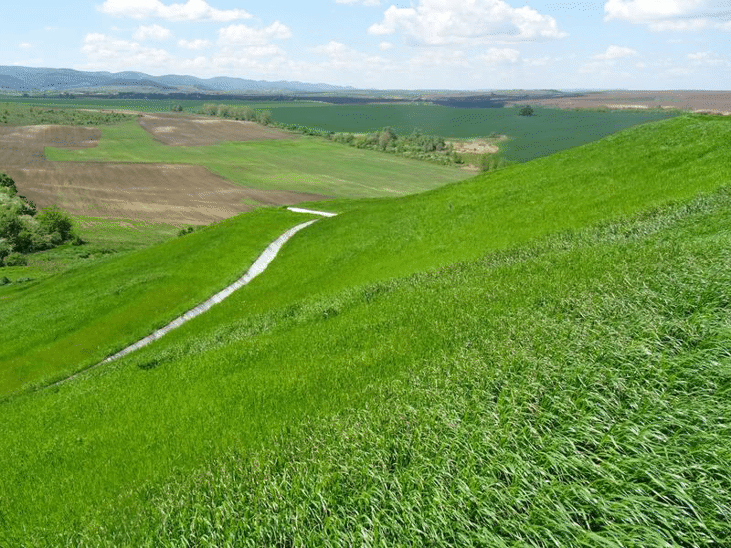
x=304, y=165
x=536, y=353
x=548, y=131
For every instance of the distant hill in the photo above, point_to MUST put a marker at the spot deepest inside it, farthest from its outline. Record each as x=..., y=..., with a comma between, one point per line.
x=27, y=79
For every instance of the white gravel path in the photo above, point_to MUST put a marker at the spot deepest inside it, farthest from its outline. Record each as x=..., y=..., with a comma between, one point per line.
x=257, y=268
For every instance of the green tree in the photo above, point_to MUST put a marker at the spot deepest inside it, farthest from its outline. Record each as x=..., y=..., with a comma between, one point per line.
x=527, y=110
x=52, y=219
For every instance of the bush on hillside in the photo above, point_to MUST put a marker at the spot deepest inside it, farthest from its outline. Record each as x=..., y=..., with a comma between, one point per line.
x=527, y=110
x=16, y=259
x=246, y=114
x=23, y=230
x=53, y=220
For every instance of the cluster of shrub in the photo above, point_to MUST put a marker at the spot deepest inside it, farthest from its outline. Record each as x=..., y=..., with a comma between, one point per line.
x=416, y=145
x=22, y=115
x=24, y=230
x=247, y=114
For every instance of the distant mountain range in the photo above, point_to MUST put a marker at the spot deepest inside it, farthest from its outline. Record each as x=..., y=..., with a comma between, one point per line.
x=28, y=79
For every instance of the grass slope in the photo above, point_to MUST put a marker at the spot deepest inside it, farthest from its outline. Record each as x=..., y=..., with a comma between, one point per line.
x=570, y=393
x=344, y=311
x=303, y=165
x=619, y=175
x=58, y=325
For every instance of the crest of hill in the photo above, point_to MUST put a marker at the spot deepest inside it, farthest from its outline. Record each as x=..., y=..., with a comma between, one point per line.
x=26, y=79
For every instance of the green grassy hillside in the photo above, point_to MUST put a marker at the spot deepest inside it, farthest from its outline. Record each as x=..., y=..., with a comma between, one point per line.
x=63, y=323
x=520, y=376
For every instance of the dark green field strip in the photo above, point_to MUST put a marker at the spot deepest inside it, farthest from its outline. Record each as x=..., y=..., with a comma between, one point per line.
x=548, y=131
x=64, y=323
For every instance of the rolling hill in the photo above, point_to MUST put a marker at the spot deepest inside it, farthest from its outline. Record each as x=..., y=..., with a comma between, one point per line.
x=537, y=353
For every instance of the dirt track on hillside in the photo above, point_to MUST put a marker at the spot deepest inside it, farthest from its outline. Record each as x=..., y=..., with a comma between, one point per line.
x=172, y=193
x=718, y=102
x=181, y=130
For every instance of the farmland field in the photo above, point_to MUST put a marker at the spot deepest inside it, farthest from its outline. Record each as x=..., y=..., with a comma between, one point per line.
x=302, y=165
x=549, y=131
x=172, y=192
x=536, y=352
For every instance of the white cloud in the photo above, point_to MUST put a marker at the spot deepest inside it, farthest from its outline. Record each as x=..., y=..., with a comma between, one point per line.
x=385, y=46
x=681, y=25
x=708, y=59
x=500, y=56
x=194, y=44
x=24, y=45
x=106, y=52
x=192, y=10
x=616, y=52
x=152, y=32
x=539, y=61
x=442, y=57
x=671, y=15
x=472, y=22
x=678, y=72
x=361, y=2
x=249, y=36
x=342, y=57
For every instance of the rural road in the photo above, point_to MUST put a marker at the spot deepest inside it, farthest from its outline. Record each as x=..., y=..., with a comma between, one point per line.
x=255, y=269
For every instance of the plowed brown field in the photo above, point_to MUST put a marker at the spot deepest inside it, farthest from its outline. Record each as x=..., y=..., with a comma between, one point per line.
x=182, y=130
x=718, y=102
x=176, y=194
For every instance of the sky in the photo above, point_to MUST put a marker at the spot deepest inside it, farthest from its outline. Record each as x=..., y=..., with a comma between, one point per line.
x=382, y=44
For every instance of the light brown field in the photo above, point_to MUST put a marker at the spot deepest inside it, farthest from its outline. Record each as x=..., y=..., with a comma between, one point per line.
x=716, y=102
x=475, y=146
x=185, y=130
x=170, y=193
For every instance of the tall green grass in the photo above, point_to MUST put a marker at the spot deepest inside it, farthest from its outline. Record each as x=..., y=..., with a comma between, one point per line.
x=481, y=325
x=572, y=389
x=571, y=393
x=63, y=323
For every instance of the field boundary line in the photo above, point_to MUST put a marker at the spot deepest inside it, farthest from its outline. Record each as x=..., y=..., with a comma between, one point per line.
x=257, y=267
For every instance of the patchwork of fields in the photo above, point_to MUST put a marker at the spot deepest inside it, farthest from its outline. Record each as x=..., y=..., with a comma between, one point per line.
x=550, y=130
x=540, y=352
x=304, y=165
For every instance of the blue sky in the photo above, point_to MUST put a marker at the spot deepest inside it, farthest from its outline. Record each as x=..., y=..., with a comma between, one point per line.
x=424, y=44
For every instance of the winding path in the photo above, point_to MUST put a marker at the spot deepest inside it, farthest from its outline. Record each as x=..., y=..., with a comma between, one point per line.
x=255, y=269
